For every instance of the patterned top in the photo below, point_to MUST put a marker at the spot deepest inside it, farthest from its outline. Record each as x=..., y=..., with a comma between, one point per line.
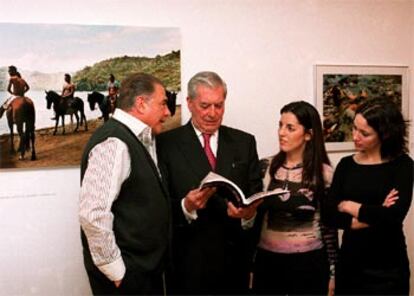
x=291, y=222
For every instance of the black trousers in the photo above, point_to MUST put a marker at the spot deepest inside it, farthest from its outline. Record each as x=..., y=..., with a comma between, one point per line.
x=352, y=279
x=133, y=283
x=291, y=274
x=203, y=278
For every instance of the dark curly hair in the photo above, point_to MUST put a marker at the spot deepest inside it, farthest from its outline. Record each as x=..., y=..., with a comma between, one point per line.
x=387, y=120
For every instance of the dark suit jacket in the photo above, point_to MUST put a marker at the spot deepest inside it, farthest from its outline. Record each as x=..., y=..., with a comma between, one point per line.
x=210, y=254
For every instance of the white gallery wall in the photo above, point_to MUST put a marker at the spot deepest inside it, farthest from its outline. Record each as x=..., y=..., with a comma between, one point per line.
x=265, y=50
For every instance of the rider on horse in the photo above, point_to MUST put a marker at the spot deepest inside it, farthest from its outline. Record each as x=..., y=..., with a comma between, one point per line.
x=17, y=86
x=113, y=87
x=68, y=90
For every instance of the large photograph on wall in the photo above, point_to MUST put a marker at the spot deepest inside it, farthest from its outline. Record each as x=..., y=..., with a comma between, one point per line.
x=58, y=83
x=340, y=89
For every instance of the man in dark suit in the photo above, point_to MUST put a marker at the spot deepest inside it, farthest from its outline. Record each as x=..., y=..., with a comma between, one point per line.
x=210, y=248
x=124, y=209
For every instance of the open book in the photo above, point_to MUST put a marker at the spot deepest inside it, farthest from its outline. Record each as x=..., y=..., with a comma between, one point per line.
x=235, y=194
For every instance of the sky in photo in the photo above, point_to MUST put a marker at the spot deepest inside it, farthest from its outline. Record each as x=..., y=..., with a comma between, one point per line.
x=68, y=48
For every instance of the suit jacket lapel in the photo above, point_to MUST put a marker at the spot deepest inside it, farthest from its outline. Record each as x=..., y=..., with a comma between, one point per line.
x=225, y=153
x=194, y=152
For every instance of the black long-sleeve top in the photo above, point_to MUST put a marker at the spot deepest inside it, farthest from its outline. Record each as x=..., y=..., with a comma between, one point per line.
x=382, y=244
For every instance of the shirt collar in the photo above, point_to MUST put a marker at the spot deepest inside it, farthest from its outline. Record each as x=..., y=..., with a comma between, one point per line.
x=199, y=133
x=133, y=123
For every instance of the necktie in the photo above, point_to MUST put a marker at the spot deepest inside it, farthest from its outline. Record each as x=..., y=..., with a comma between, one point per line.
x=209, y=153
x=146, y=139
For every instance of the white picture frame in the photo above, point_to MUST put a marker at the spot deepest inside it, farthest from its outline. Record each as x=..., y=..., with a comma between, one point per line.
x=339, y=89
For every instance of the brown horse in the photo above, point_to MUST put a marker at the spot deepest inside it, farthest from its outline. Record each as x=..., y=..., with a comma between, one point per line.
x=21, y=112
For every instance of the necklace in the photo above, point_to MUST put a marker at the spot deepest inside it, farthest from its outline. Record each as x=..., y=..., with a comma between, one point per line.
x=296, y=166
x=288, y=170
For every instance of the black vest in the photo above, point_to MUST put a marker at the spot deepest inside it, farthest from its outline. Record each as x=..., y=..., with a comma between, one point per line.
x=141, y=211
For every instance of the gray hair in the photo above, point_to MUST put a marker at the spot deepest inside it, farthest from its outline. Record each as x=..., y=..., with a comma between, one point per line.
x=205, y=78
x=134, y=85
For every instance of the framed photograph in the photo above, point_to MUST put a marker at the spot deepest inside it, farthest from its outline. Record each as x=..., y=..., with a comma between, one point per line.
x=77, y=70
x=339, y=89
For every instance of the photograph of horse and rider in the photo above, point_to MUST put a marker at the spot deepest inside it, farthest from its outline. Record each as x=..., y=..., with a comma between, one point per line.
x=58, y=83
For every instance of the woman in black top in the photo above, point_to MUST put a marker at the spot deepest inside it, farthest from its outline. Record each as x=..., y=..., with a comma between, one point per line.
x=372, y=190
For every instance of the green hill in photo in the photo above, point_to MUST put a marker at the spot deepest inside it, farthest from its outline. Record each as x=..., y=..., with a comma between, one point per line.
x=165, y=67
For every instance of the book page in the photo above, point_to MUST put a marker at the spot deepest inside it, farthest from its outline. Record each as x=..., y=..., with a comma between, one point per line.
x=215, y=180
x=238, y=198
x=263, y=194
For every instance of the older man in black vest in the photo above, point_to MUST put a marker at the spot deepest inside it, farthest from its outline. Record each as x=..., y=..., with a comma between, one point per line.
x=124, y=210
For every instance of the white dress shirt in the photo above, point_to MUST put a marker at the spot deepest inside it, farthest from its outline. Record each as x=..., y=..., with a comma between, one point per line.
x=190, y=216
x=214, y=146
x=109, y=165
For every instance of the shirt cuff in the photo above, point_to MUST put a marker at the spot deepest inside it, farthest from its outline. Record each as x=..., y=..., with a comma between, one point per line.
x=190, y=216
x=248, y=223
x=332, y=271
x=114, y=271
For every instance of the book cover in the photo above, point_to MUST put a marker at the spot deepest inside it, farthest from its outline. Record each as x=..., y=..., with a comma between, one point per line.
x=234, y=193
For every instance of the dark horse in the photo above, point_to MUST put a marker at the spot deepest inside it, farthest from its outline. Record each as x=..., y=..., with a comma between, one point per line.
x=21, y=112
x=106, y=105
x=62, y=107
x=171, y=101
